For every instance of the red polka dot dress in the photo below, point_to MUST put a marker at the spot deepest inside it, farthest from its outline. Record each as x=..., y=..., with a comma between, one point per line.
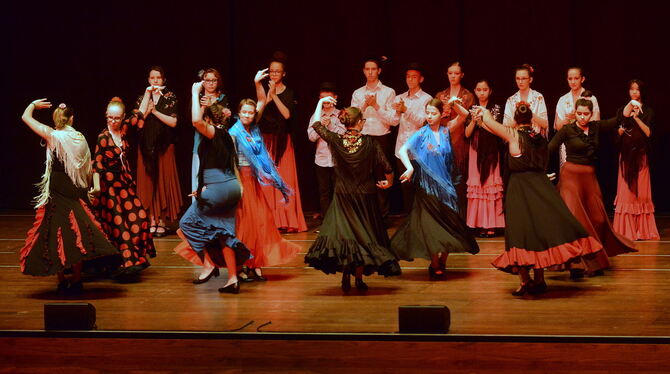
x=118, y=208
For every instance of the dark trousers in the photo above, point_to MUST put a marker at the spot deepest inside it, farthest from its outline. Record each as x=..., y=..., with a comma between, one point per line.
x=325, y=177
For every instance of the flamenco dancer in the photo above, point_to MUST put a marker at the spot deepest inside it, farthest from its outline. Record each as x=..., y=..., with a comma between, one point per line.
x=580, y=190
x=634, y=209
x=208, y=226
x=255, y=219
x=211, y=95
x=433, y=228
x=485, y=183
x=157, y=178
x=65, y=233
x=524, y=78
x=275, y=125
x=531, y=240
x=118, y=208
x=353, y=239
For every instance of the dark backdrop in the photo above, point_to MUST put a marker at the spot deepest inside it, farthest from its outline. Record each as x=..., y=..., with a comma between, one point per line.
x=85, y=54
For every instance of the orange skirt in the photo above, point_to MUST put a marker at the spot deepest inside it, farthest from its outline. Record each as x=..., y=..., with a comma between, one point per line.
x=255, y=226
x=287, y=216
x=634, y=213
x=165, y=199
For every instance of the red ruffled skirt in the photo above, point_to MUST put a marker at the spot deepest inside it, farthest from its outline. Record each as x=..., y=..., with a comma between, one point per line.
x=255, y=226
x=634, y=214
x=485, y=202
x=287, y=216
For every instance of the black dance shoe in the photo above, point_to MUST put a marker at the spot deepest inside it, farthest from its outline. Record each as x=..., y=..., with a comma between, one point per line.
x=524, y=289
x=576, y=274
x=255, y=276
x=243, y=275
x=538, y=288
x=215, y=272
x=76, y=288
x=436, y=274
x=346, y=282
x=360, y=285
x=597, y=273
x=62, y=287
x=231, y=288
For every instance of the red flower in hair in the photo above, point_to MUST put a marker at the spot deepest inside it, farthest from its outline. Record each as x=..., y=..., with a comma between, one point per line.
x=522, y=103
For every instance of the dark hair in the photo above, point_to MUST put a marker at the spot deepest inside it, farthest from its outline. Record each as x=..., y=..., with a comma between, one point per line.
x=244, y=102
x=639, y=83
x=350, y=116
x=581, y=71
x=328, y=87
x=217, y=75
x=522, y=114
x=586, y=94
x=584, y=102
x=378, y=60
x=280, y=57
x=414, y=66
x=437, y=103
x=160, y=70
x=527, y=68
x=478, y=81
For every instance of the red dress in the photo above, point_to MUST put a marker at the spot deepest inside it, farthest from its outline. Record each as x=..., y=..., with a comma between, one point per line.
x=118, y=208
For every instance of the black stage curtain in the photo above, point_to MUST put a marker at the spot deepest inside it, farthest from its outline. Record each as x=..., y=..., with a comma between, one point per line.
x=86, y=54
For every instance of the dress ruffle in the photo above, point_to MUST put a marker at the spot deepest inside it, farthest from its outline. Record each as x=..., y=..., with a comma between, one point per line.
x=332, y=255
x=510, y=260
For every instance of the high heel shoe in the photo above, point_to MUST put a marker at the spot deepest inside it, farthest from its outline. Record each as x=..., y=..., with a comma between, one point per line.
x=215, y=272
x=231, y=288
x=576, y=274
x=346, y=282
x=524, y=289
x=361, y=285
x=255, y=275
x=538, y=288
x=62, y=287
x=243, y=275
x=435, y=274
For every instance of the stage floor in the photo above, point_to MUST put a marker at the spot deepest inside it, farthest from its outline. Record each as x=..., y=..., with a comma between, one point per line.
x=632, y=299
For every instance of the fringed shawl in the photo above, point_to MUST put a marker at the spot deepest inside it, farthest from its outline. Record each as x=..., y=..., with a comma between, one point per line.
x=436, y=163
x=251, y=145
x=69, y=146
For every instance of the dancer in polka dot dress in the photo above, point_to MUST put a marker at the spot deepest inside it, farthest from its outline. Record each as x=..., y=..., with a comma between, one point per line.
x=118, y=208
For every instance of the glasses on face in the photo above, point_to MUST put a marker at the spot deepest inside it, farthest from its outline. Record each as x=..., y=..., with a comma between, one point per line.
x=114, y=119
x=211, y=80
x=276, y=71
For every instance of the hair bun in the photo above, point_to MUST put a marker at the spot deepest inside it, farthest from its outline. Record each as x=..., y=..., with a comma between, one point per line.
x=279, y=56
x=116, y=99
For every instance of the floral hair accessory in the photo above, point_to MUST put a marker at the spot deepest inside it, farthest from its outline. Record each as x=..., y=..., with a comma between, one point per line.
x=62, y=105
x=520, y=103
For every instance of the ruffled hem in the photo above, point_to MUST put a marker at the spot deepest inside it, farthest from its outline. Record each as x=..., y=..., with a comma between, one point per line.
x=333, y=255
x=636, y=227
x=206, y=233
x=489, y=192
x=635, y=208
x=203, y=258
x=513, y=258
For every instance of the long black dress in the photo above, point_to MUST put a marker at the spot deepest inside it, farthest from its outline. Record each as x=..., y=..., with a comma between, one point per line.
x=540, y=231
x=353, y=232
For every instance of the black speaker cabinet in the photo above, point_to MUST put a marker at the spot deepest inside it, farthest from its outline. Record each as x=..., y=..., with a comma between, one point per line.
x=424, y=319
x=69, y=316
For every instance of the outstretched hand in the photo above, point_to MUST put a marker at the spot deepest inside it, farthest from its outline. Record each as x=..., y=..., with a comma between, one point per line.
x=41, y=104
x=260, y=75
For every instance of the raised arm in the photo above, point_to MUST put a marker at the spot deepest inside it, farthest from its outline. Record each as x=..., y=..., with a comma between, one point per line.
x=404, y=157
x=39, y=128
x=203, y=127
x=494, y=127
x=169, y=119
x=261, y=97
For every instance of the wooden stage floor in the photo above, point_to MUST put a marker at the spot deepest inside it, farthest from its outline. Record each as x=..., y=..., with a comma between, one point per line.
x=632, y=299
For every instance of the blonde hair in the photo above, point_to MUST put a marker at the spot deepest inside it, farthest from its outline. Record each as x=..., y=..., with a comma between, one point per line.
x=117, y=102
x=62, y=116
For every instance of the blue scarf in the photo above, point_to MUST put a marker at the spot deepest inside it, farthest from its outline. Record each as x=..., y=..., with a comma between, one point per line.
x=436, y=164
x=253, y=148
